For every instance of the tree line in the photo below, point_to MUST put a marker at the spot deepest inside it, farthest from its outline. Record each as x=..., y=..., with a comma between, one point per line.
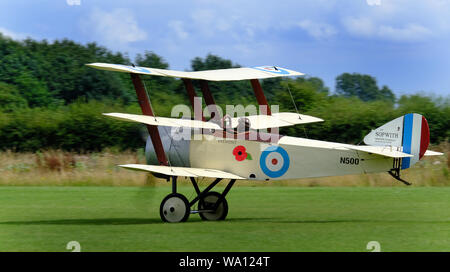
x=49, y=99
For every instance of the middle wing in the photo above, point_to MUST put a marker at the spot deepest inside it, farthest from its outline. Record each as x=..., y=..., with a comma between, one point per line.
x=163, y=121
x=281, y=119
x=182, y=171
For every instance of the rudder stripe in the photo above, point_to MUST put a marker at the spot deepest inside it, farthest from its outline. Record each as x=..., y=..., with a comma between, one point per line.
x=407, y=138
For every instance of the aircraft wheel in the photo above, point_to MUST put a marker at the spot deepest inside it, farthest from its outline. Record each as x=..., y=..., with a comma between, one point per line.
x=208, y=202
x=174, y=208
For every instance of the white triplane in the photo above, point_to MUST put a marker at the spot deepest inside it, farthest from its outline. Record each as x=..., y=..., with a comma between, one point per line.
x=196, y=148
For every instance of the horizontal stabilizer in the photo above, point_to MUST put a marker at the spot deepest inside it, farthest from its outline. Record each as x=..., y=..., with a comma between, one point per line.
x=432, y=153
x=281, y=119
x=182, y=171
x=163, y=121
x=231, y=74
x=380, y=150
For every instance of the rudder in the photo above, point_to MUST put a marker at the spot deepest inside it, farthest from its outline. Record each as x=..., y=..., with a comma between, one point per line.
x=416, y=138
x=409, y=133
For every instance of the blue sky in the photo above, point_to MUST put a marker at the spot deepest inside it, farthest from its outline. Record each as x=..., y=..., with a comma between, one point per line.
x=405, y=44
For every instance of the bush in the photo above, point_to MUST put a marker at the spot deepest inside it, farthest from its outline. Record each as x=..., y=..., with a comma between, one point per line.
x=77, y=127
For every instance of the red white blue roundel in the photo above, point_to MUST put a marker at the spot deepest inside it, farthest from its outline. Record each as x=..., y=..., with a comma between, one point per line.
x=138, y=69
x=272, y=69
x=274, y=161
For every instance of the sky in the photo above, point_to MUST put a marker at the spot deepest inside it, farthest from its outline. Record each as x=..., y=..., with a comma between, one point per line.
x=405, y=44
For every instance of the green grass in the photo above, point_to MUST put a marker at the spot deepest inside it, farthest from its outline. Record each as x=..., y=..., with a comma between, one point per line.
x=260, y=219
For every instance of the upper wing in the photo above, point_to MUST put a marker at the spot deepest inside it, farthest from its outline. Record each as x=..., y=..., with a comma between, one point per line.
x=211, y=75
x=281, y=119
x=163, y=121
x=182, y=171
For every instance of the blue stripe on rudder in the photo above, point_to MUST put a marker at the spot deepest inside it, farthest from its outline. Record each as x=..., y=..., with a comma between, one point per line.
x=407, y=137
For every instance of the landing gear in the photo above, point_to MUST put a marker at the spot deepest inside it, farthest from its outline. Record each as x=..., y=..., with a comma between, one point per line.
x=207, y=207
x=395, y=171
x=212, y=206
x=174, y=208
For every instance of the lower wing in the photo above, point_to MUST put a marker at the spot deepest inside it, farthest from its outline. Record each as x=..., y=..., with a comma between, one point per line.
x=181, y=171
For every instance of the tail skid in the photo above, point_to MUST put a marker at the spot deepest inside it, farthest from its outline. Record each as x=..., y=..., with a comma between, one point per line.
x=395, y=171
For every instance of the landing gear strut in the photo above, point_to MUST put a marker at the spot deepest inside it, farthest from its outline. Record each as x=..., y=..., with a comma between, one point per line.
x=395, y=171
x=212, y=206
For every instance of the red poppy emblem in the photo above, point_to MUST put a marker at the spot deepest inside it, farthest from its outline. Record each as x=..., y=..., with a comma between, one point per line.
x=240, y=153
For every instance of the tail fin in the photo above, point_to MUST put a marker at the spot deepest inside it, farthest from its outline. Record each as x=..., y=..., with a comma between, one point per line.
x=410, y=133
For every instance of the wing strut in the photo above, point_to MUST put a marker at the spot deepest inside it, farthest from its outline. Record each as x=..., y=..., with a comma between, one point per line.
x=260, y=97
x=147, y=110
x=209, y=99
x=191, y=94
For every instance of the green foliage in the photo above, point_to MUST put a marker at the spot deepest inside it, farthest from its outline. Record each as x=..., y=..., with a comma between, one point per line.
x=77, y=127
x=362, y=86
x=212, y=62
x=10, y=98
x=49, y=98
x=34, y=91
x=305, y=93
x=47, y=73
x=436, y=111
x=348, y=120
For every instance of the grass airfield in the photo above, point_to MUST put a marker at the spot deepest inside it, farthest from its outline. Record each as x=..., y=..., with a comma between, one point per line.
x=259, y=219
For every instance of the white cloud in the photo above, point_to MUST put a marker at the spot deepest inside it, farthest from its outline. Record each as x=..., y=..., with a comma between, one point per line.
x=118, y=26
x=367, y=27
x=178, y=28
x=411, y=32
x=211, y=23
x=12, y=34
x=317, y=30
x=204, y=21
x=362, y=26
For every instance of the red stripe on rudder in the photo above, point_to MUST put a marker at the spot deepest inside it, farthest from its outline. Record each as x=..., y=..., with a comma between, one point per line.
x=424, y=137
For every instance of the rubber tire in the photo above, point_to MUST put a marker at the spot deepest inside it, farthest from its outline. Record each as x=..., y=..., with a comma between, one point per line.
x=186, y=204
x=222, y=209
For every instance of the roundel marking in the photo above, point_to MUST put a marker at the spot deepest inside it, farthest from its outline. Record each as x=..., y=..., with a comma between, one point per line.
x=272, y=69
x=274, y=161
x=138, y=69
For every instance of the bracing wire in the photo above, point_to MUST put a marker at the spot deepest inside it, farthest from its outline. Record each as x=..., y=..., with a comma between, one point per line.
x=149, y=100
x=296, y=109
x=292, y=99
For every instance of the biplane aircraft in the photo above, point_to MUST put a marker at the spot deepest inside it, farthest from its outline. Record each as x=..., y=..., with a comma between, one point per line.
x=222, y=152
